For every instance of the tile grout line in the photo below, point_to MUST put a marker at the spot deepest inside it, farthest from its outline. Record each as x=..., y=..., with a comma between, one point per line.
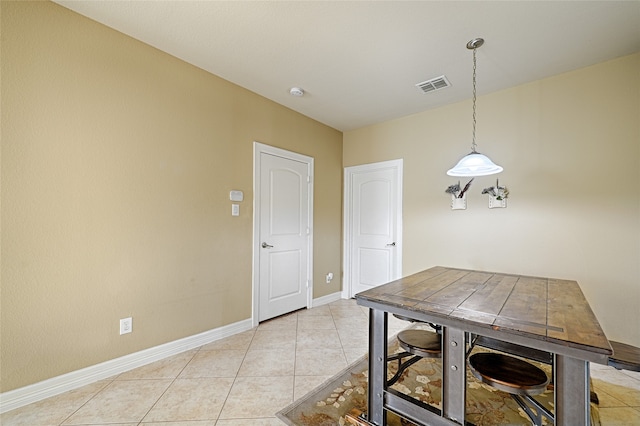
x=344, y=354
x=255, y=330
x=168, y=387
x=110, y=381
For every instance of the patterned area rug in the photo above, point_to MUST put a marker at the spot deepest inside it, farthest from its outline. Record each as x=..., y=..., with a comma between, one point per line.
x=486, y=406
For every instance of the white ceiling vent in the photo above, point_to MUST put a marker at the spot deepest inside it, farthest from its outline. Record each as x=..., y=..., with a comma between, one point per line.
x=434, y=84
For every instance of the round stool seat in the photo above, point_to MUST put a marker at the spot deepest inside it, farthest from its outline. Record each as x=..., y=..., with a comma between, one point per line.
x=436, y=327
x=403, y=318
x=508, y=374
x=423, y=343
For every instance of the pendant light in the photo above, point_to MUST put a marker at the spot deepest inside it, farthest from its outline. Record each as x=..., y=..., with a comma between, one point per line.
x=474, y=163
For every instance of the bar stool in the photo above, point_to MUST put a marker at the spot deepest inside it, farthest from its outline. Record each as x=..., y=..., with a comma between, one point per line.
x=436, y=327
x=417, y=344
x=518, y=378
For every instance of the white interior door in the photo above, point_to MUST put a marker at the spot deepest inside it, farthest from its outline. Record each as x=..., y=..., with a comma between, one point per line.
x=283, y=201
x=373, y=225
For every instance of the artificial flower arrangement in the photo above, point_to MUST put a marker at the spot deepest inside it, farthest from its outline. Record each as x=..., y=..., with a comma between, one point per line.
x=455, y=191
x=498, y=192
x=497, y=195
x=458, y=199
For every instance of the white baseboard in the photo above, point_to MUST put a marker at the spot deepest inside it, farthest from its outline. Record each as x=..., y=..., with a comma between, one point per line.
x=326, y=299
x=47, y=388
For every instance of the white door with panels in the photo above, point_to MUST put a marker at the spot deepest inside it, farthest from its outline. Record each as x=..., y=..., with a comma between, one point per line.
x=373, y=225
x=282, y=235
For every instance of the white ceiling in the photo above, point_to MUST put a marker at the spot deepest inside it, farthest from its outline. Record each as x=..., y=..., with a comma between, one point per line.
x=359, y=61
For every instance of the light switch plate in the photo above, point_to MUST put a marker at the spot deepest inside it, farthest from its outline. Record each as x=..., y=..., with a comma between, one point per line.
x=126, y=325
x=236, y=196
x=235, y=210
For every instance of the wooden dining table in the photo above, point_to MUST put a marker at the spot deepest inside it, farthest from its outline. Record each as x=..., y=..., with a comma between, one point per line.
x=545, y=314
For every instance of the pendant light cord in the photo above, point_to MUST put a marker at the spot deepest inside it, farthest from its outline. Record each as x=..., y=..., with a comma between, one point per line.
x=473, y=143
x=474, y=163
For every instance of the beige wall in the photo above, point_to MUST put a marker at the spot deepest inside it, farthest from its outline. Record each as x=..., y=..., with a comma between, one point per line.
x=570, y=147
x=117, y=162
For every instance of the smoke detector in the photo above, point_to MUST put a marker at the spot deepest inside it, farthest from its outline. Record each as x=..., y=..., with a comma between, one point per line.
x=296, y=91
x=434, y=84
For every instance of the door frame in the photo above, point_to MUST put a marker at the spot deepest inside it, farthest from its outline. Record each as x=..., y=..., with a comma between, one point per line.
x=258, y=149
x=346, y=252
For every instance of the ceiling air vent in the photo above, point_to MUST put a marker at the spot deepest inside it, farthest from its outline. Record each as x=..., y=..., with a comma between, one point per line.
x=434, y=84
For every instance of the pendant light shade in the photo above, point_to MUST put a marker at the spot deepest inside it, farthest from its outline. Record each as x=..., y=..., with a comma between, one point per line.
x=474, y=163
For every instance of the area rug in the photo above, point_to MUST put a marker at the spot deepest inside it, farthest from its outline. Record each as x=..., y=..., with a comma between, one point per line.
x=485, y=406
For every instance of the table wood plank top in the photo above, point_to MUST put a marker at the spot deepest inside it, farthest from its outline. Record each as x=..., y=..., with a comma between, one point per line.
x=551, y=310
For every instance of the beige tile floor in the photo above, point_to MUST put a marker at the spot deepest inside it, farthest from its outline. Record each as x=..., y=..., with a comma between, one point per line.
x=244, y=379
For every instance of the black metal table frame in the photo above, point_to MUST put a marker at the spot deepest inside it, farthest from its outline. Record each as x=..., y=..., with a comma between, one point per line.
x=571, y=371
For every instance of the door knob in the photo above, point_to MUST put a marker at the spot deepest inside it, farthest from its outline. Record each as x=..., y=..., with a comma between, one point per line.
x=393, y=244
x=265, y=245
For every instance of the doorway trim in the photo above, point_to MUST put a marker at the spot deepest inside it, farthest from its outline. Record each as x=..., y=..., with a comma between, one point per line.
x=346, y=240
x=259, y=148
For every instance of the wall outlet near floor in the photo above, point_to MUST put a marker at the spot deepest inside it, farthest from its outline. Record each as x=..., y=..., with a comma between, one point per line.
x=329, y=277
x=126, y=325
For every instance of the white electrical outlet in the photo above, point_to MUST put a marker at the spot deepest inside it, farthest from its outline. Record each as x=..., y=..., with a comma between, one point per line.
x=126, y=325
